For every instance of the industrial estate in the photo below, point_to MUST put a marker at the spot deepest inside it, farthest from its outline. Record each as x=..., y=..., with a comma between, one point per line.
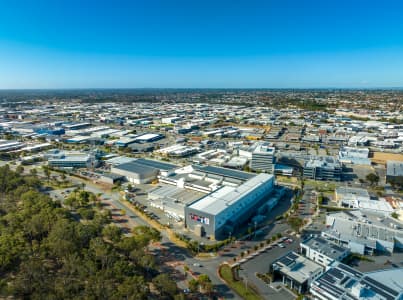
x=266, y=194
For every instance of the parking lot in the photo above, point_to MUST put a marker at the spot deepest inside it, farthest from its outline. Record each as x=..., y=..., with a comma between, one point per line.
x=379, y=262
x=261, y=263
x=306, y=206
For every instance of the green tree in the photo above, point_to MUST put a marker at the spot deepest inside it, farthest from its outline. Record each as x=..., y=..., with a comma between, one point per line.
x=295, y=223
x=33, y=172
x=112, y=233
x=132, y=288
x=47, y=172
x=320, y=198
x=186, y=269
x=203, y=280
x=47, y=253
x=165, y=286
x=145, y=235
x=19, y=169
x=11, y=246
x=372, y=178
x=193, y=285
x=208, y=287
x=86, y=213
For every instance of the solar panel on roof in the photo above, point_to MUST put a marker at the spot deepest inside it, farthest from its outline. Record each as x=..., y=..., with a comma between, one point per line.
x=286, y=261
x=350, y=270
x=380, y=285
x=292, y=256
x=336, y=273
x=331, y=289
x=326, y=277
x=344, y=280
x=348, y=297
x=382, y=292
x=224, y=172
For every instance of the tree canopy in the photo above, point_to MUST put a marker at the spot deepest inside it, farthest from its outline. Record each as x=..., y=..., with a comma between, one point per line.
x=46, y=253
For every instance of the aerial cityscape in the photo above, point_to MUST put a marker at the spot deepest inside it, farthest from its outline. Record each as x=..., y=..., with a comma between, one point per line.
x=180, y=164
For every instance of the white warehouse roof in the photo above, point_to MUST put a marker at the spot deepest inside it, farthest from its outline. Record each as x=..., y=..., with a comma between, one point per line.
x=221, y=199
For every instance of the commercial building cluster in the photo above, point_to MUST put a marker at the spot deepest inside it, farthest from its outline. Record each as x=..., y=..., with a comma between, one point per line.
x=319, y=271
x=217, y=162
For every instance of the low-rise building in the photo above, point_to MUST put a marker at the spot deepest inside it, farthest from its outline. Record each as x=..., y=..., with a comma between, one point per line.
x=353, y=155
x=118, y=160
x=73, y=161
x=283, y=170
x=349, y=197
x=109, y=178
x=149, y=137
x=364, y=233
x=360, y=199
x=172, y=200
x=135, y=172
x=140, y=170
x=343, y=282
x=178, y=151
x=125, y=141
x=10, y=145
x=394, y=172
x=295, y=271
x=323, y=251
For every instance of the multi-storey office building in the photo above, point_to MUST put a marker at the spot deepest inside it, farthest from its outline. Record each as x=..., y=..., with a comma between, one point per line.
x=323, y=168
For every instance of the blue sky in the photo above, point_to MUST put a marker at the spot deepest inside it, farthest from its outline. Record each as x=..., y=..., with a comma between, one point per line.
x=201, y=43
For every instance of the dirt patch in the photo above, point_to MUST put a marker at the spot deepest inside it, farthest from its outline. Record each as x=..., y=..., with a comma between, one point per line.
x=382, y=157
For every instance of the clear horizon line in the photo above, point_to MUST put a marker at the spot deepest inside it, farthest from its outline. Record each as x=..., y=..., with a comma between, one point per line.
x=202, y=88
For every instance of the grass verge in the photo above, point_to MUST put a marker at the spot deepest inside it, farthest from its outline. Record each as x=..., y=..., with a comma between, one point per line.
x=238, y=286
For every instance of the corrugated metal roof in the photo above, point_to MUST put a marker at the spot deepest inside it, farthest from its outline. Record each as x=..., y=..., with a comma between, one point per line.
x=224, y=172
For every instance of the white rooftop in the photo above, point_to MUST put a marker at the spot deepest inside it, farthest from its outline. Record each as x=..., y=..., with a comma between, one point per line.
x=221, y=199
x=147, y=136
x=391, y=277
